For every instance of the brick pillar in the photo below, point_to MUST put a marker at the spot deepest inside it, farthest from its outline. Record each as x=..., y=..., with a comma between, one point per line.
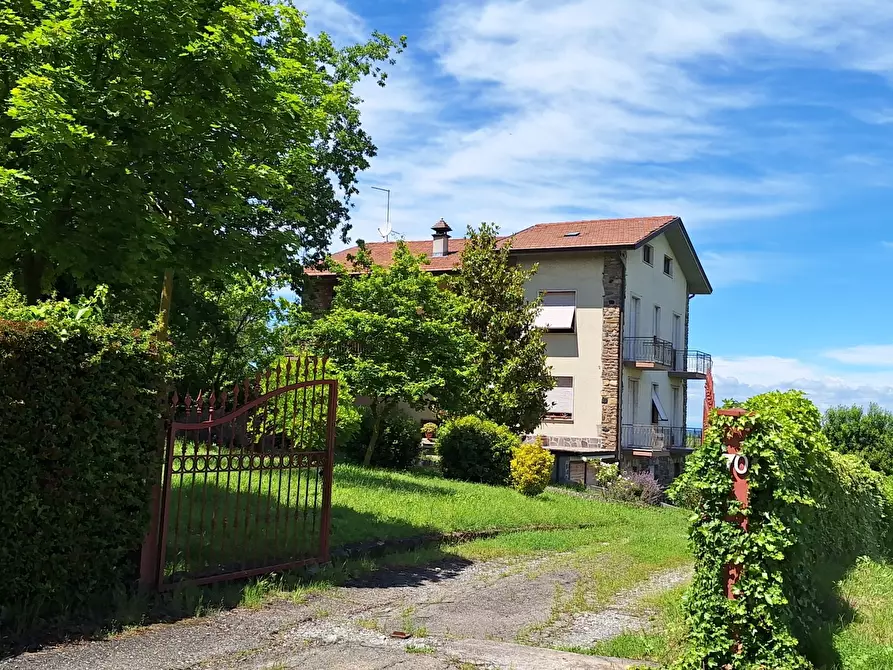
x=612, y=342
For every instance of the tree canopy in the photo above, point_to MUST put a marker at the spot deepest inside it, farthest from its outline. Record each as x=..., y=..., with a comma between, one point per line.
x=510, y=377
x=867, y=434
x=396, y=336
x=204, y=137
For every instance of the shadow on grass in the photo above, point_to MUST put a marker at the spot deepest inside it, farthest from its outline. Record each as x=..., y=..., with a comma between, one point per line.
x=354, y=476
x=214, y=529
x=837, y=614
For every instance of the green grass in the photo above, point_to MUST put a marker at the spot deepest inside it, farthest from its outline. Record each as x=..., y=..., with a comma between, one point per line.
x=863, y=641
x=254, y=519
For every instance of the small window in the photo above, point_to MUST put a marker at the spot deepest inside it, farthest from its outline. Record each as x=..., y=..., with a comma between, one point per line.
x=576, y=233
x=648, y=254
x=560, y=400
x=668, y=266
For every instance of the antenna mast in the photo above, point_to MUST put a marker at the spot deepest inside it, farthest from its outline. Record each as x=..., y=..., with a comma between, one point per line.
x=387, y=228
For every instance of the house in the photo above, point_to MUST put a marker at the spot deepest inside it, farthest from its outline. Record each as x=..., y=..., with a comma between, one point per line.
x=616, y=296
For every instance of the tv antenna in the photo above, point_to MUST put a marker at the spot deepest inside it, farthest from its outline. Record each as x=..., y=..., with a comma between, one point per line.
x=387, y=230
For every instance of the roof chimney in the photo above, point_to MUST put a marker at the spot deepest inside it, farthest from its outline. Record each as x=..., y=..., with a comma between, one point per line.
x=441, y=238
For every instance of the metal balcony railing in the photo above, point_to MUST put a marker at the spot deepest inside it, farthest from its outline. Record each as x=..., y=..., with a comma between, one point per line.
x=648, y=350
x=692, y=361
x=656, y=438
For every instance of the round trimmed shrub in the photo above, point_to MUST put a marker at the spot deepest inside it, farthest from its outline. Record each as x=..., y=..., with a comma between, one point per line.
x=398, y=445
x=476, y=450
x=532, y=468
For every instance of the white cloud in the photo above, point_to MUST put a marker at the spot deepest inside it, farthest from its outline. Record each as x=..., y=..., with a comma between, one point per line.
x=529, y=110
x=877, y=355
x=886, y=244
x=742, y=377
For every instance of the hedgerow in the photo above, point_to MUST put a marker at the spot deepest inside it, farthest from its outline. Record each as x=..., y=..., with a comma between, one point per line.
x=811, y=514
x=79, y=423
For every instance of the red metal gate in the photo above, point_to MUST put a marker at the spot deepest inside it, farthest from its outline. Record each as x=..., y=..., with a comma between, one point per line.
x=247, y=486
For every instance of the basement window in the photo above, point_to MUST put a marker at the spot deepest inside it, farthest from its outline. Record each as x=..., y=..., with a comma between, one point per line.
x=648, y=254
x=560, y=400
x=558, y=311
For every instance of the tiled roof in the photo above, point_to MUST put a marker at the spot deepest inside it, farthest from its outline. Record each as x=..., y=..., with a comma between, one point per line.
x=600, y=233
x=592, y=234
x=382, y=253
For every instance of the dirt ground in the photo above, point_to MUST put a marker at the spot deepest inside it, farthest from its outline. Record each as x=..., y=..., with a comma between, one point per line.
x=457, y=614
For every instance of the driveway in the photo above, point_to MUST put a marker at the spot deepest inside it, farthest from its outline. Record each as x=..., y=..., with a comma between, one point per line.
x=455, y=614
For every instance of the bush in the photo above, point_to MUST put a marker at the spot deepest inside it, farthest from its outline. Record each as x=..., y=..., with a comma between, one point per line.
x=532, y=468
x=605, y=473
x=476, y=450
x=398, y=445
x=869, y=435
x=79, y=428
x=639, y=487
x=811, y=514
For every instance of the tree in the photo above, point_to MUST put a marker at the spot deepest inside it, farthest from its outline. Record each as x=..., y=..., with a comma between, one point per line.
x=869, y=435
x=226, y=331
x=396, y=336
x=510, y=378
x=204, y=137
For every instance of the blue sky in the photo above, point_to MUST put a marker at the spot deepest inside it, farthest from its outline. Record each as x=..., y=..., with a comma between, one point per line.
x=766, y=125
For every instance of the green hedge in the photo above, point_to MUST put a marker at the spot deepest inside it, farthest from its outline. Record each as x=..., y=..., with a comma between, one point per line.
x=476, y=450
x=812, y=513
x=78, y=428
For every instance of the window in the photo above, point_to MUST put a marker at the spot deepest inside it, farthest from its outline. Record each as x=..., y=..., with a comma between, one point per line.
x=677, y=415
x=648, y=254
x=657, y=409
x=633, y=401
x=668, y=266
x=634, y=313
x=657, y=320
x=575, y=233
x=560, y=400
x=558, y=311
x=677, y=331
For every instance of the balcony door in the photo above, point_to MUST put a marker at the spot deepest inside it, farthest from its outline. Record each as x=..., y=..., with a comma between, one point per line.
x=657, y=321
x=634, y=314
x=633, y=401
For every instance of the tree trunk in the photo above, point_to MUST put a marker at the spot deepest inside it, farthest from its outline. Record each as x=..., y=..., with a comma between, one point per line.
x=378, y=413
x=167, y=293
x=33, y=267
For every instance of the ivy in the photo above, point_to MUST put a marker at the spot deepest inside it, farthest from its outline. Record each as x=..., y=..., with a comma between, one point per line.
x=811, y=513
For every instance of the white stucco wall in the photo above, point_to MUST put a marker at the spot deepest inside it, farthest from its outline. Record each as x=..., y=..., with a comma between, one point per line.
x=578, y=354
x=653, y=287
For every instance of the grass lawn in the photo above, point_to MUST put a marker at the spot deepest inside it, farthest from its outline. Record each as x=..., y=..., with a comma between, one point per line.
x=252, y=520
x=863, y=641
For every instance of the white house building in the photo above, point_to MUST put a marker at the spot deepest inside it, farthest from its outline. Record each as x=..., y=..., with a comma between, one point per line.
x=616, y=297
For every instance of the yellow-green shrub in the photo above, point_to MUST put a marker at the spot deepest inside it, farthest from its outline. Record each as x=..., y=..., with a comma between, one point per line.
x=532, y=468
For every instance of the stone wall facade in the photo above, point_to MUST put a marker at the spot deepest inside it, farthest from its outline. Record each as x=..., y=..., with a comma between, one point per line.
x=665, y=466
x=319, y=293
x=612, y=342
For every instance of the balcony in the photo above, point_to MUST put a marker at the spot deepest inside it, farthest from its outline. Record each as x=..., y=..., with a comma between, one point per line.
x=691, y=364
x=648, y=352
x=651, y=438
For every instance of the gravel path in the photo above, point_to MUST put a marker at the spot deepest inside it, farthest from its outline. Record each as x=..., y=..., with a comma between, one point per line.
x=457, y=612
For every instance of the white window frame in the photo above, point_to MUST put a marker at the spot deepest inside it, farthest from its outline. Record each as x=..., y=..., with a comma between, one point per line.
x=644, y=255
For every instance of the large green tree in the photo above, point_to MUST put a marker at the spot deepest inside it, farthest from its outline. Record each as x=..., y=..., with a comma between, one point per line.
x=867, y=434
x=396, y=336
x=207, y=137
x=510, y=378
